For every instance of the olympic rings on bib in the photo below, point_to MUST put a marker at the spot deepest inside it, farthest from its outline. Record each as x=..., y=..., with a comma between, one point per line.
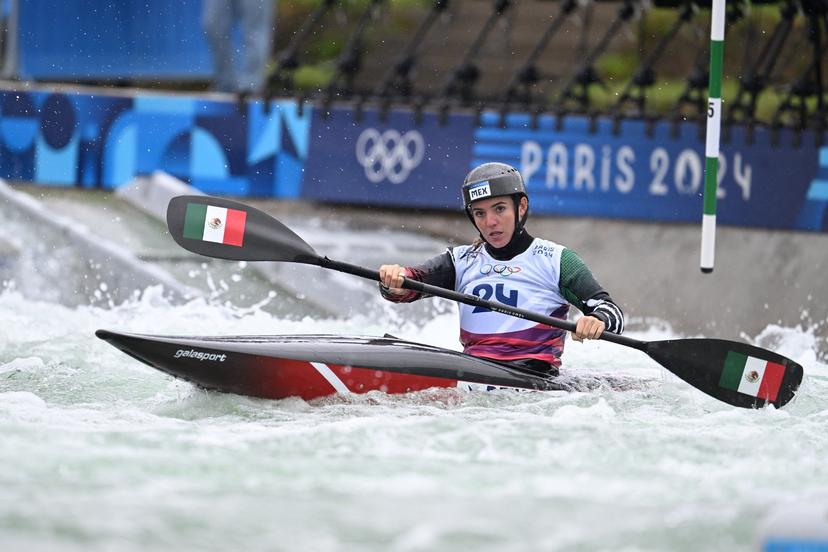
x=503, y=270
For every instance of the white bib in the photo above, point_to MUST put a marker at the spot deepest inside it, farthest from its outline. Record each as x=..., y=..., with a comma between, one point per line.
x=528, y=281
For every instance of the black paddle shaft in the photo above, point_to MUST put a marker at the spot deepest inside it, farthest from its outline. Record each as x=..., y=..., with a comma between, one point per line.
x=478, y=302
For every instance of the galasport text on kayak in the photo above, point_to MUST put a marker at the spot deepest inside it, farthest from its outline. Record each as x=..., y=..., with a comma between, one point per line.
x=199, y=355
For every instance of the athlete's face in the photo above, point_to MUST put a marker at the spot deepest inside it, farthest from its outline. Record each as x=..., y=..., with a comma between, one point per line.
x=495, y=218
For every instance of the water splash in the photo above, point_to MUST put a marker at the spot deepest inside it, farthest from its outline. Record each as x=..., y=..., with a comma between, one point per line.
x=100, y=451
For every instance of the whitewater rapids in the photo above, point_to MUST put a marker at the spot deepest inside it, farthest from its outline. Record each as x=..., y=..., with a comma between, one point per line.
x=99, y=452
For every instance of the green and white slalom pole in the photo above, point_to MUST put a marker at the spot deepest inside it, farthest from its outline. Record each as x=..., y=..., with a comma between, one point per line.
x=714, y=123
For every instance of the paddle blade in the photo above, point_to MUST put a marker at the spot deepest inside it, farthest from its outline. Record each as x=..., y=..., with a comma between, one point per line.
x=736, y=373
x=225, y=229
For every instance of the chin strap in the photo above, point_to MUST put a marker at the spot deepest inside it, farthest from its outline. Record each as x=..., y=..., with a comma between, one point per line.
x=521, y=221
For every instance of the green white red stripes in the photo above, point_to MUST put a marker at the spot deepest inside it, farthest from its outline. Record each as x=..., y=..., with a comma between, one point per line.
x=711, y=150
x=752, y=376
x=214, y=224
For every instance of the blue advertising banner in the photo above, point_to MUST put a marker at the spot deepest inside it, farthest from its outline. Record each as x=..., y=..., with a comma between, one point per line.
x=104, y=141
x=397, y=162
x=282, y=151
x=578, y=170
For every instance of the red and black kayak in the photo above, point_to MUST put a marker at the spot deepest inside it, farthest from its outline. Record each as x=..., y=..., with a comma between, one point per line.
x=312, y=366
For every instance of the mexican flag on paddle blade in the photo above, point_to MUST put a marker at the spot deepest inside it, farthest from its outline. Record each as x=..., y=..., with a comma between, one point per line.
x=214, y=224
x=752, y=376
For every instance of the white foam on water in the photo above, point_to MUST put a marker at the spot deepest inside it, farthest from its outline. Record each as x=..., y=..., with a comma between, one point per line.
x=101, y=452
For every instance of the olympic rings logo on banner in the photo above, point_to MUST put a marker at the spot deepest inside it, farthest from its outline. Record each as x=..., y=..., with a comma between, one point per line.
x=389, y=155
x=503, y=270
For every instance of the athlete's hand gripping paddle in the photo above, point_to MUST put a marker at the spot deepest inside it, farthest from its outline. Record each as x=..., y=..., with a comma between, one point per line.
x=736, y=373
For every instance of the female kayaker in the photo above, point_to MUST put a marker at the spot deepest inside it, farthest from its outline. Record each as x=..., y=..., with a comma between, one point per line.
x=508, y=265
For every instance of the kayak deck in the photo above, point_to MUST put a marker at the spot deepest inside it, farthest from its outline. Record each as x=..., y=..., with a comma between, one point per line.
x=316, y=365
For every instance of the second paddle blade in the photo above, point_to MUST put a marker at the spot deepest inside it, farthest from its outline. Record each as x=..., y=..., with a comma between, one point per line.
x=226, y=229
x=736, y=373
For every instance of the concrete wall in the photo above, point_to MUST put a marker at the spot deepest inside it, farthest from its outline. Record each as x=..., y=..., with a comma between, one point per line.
x=761, y=277
x=68, y=260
